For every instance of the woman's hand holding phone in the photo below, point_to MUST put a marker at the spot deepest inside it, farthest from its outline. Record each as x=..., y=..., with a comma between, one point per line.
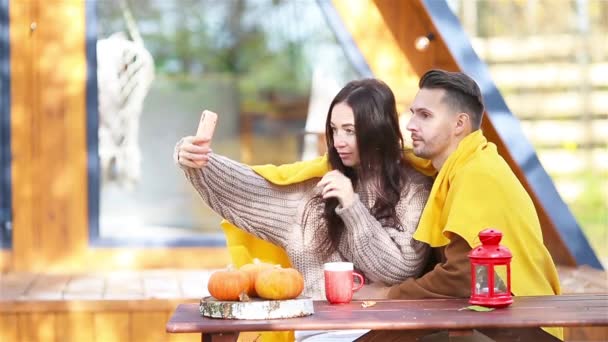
x=194, y=150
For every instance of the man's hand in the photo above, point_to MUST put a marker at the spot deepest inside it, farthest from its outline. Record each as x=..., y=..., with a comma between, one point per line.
x=335, y=184
x=375, y=290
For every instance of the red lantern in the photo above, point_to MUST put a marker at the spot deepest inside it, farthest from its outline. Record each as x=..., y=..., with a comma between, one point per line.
x=490, y=266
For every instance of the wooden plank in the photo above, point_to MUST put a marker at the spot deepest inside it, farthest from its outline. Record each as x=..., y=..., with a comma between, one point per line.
x=149, y=326
x=112, y=326
x=36, y=326
x=184, y=337
x=48, y=74
x=565, y=310
x=23, y=164
x=5, y=260
x=61, y=65
x=565, y=162
x=48, y=287
x=565, y=132
x=49, y=306
x=109, y=259
x=90, y=286
x=74, y=326
x=15, y=285
x=548, y=75
x=537, y=48
x=531, y=105
x=8, y=327
x=104, y=259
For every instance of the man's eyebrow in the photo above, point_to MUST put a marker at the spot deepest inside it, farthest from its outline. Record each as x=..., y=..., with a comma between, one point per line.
x=412, y=109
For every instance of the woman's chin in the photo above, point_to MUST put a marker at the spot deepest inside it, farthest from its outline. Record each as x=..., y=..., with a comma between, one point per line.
x=348, y=162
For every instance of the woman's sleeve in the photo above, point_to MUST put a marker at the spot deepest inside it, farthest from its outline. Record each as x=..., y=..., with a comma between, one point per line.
x=384, y=253
x=246, y=199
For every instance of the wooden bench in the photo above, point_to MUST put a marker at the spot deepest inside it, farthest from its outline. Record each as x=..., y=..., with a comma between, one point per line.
x=424, y=316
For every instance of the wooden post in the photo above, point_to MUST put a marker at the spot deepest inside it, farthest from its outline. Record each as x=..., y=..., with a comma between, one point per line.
x=48, y=76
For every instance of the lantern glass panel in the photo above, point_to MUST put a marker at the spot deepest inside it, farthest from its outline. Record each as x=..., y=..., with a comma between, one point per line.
x=500, y=286
x=481, y=280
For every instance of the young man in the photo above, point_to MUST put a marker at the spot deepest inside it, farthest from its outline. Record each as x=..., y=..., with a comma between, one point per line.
x=474, y=189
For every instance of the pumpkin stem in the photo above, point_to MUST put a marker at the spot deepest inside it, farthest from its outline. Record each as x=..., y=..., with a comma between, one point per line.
x=243, y=297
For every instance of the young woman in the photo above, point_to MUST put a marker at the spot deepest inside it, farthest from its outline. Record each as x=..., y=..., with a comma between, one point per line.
x=364, y=211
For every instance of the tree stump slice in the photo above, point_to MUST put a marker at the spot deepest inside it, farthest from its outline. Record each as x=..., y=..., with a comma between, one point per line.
x=256, y=308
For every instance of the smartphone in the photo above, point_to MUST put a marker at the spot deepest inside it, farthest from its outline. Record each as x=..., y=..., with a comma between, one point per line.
x=206, y=127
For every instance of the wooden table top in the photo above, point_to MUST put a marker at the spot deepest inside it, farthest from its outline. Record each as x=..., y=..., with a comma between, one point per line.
x=564, y=311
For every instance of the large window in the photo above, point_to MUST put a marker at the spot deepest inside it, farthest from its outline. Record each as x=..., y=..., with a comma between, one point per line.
x=250, y=61
x=5, y=139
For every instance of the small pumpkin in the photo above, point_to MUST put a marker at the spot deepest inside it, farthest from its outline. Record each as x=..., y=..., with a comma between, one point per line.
x=253, y=270
x=279, y=283
x=229, y=284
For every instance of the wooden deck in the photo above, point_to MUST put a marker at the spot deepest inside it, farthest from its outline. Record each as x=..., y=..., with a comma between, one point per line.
x=114, y=306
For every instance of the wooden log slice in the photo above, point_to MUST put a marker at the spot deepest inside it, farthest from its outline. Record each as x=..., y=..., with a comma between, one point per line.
x=256, y=308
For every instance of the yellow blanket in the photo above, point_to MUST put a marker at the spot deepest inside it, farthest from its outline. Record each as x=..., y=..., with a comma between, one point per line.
x=475, y=189
x=244, y=247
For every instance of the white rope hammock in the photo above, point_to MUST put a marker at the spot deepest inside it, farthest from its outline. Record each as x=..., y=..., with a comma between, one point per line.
x=125, y=71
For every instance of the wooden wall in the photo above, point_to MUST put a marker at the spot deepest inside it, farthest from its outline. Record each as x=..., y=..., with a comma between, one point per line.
x=95, y=321
x=48, y=120
x=49, y=166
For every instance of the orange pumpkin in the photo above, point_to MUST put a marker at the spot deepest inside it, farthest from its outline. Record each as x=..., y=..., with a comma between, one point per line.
x=228, y=284
x=253, y=270
x=279, y=283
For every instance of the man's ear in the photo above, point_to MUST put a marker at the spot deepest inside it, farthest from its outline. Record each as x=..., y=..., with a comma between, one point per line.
x=463, y=123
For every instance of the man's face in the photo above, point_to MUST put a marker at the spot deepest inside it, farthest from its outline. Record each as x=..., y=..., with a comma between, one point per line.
x=431, y=125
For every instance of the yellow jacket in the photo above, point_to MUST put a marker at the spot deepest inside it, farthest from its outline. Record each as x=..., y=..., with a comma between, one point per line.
x=476, y=189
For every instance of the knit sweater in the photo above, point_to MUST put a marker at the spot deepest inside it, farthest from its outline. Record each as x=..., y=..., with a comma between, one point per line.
x=286, y=216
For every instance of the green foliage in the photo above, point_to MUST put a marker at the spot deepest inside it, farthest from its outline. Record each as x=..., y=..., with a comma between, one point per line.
x=198, y=38
x=591, y=210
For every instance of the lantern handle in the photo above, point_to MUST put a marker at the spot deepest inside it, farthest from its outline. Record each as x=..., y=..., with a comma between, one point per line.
x=476, y=241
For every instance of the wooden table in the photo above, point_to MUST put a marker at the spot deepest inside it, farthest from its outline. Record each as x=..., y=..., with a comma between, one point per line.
x=418, y=315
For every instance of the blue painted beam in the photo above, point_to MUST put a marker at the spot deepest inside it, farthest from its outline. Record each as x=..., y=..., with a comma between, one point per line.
x=5, y=129
x=92, y=126
x=345, y=39
x=510, y=132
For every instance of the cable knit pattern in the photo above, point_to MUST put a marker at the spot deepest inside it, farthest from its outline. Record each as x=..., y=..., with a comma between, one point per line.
x=275, y=213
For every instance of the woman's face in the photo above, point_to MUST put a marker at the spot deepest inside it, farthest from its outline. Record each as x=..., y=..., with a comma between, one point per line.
x=344, y=134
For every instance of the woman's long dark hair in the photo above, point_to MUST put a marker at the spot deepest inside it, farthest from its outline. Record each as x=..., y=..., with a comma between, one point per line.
x=382, y=168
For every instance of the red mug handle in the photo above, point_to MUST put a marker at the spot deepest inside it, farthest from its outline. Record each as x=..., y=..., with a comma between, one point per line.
x=361, y=281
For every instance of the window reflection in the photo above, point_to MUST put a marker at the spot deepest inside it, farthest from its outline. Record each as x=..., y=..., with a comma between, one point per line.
x=250, y=61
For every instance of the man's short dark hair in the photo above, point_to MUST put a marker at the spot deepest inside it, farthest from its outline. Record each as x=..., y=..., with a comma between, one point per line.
x=461, y=92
